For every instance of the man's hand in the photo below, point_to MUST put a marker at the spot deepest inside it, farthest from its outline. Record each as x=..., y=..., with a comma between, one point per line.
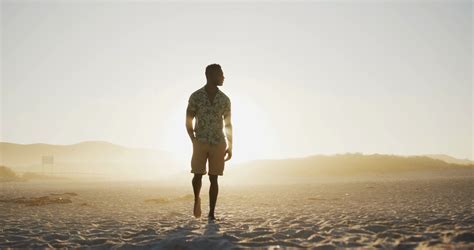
x=189, y=124
x=229, y=154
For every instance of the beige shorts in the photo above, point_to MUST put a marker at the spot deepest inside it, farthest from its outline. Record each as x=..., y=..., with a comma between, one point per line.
x=204, y=151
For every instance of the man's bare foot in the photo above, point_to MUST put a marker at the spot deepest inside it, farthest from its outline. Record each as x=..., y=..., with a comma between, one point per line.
x=211, y=217
x=197, y=207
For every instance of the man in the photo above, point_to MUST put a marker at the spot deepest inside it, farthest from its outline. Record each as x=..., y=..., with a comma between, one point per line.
x=210, y=106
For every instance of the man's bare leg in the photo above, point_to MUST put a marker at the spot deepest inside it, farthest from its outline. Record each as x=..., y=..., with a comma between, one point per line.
x=213, y=191
x=197, y=183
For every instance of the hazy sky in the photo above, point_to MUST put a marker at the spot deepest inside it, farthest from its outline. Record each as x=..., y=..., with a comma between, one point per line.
x=304, y=78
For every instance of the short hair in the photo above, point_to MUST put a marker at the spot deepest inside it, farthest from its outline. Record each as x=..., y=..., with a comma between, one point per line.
x=212, y=68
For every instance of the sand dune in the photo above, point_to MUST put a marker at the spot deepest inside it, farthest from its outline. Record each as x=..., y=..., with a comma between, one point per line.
x=28, y=155
x=450, y=159
x=97, y=159
x=7, y=174
x=344, y=167
x=390, y=214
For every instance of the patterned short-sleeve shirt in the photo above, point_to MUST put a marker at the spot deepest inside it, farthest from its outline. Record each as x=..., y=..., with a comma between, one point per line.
x=209, y=117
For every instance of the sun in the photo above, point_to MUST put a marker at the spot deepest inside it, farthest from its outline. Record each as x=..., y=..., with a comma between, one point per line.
x=253, y=135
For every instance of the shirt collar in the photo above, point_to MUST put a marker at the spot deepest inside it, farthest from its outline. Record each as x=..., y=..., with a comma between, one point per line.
x=203, y=89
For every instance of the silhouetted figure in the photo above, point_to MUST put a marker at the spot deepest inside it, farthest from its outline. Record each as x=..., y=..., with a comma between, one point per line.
x=209, y=105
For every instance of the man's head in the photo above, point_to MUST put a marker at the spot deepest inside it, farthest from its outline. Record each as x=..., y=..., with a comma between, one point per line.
x=214, y=74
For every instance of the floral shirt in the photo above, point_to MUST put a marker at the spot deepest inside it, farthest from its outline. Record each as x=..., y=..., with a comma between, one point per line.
x=209, y=117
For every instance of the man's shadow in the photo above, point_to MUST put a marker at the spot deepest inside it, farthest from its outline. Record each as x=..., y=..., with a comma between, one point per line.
x=211, y=228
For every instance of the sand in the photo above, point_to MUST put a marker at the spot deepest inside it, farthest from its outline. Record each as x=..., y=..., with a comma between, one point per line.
x=396, y=214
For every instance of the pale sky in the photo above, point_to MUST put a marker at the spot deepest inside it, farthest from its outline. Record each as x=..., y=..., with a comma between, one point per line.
x=304, y=78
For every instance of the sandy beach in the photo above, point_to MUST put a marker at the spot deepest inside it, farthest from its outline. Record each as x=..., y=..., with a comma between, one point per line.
x=389, y=214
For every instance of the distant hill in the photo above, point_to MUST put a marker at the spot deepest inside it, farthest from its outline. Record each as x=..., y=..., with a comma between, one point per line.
x=345, y=166
x=88, y=159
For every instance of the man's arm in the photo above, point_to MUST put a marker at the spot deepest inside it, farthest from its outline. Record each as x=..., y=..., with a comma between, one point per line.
x=228, y=134
x=189, y=123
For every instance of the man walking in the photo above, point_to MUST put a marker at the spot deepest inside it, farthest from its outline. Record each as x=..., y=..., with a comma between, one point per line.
x=210, y=106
